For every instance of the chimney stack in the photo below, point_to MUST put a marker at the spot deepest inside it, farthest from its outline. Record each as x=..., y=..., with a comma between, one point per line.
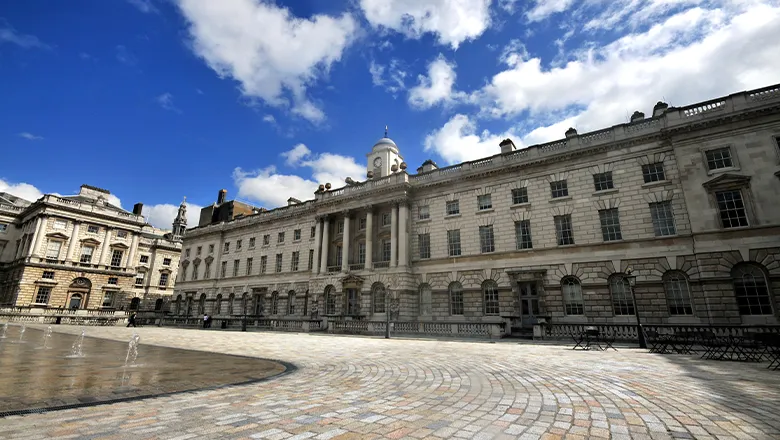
x=507, y=146
x=138, y=208
x=221, y=196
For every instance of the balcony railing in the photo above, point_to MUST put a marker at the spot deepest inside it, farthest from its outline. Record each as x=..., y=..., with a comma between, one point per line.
x=381, y=264
x=334, y=269
x=356, y=267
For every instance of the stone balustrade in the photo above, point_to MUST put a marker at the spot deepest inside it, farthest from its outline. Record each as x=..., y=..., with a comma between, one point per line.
x=63, y=316
x=93, y=208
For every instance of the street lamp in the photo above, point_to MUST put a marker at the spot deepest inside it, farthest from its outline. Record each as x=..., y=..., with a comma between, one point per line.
x=639, y=330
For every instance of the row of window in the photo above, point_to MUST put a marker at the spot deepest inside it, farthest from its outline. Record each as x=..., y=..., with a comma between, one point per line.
x=62, y=224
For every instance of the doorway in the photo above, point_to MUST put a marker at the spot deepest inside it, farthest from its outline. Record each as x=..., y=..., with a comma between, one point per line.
x=529, y=303
x=353, y=303
x=75, y=301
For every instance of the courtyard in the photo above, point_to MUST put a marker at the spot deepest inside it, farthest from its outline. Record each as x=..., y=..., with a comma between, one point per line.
x=372, y=388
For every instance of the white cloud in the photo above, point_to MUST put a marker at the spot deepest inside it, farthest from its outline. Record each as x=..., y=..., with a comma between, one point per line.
x=272, y=189
x=545, y=8
x=452, y=21
x=269, y=119
x=144, y=6
x=391, y=77
x=124, y=56
x=9, y=35
x=458, y=141
x=162, y=215
x=274, y=55
x=166, y=101
x=23, y=190
x=30, y=136
x=436, y=87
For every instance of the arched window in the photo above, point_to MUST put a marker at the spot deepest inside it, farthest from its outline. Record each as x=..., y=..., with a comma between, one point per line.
x=275, y=303
x=751, y=290
x=218, y=305
x=158, y=305
x=202, y=304
x=572, y=296
x=426, y=307
x=231, y=300
x=134, y=303
x=291, y=302
x=678, y=296
x=622, y=300
x=378, y=297
x=330, y=301
x=490, y=297
x=456, y=298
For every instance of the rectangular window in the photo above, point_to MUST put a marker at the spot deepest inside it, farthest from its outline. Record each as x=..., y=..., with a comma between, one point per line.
x=424, y=243
x=603, y=181
x=731, y=208
x=663, y=219
x=296, y=257
x=166, y=261
x=48, y=275
x=266, y=239
x=313, y=232
x=278, y=262
x=236, y=263
x=86, y=254
x=144, y=259
x=53, y=250
x=386, y=250
x=163, y=280
x=311, y=258
x=456, y=301
x=610, y=224
x=362, y=224
x=338, y=256
x=186, y=253
x=116, y=257
x=280, y=238
x=251, y=242
x=563, y=229
x=139, y=279
x=361, y=253
x=519, y=196
x=207, y=271
x=226, y=247
x=60, y=224
x=121, y=234
x=92, y=229
x=559, y=188
x=198, y=250
x=386, y=219
x=523, y=235
x=108, y=299
x=211, y=249
x=653, y=172
x=238, y=245
x=485, y=201
x=249, y=266
x=223, y=270
x=453, y=242
x=719, y=158
x=452, y=207
x=340, y=227
x=42, y=297
x=486, y=242
x=263, y=263
x=492, y=305
x=113, y=280
x=297, y=235
x=424, y=212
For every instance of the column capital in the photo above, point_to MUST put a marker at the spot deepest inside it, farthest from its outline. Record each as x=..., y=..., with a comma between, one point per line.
x=346, y=212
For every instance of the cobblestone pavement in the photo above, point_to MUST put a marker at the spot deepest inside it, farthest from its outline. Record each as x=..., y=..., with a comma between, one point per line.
x=370, y=388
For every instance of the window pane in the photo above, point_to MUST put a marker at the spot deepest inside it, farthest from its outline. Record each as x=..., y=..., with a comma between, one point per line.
x=751, y=290
x=663, y=219
x=653, y=172
x=563, y=230
x=732, y=209
x=523, y=234
x=572, y=296
x=719, y=158
x=677, y=295
x=486, y=241
x=610, y=224
x=622, y=300
x=519, y=195
x=453, y=242
x=603, y=181
x=456, y=299
x=559, y=189
x=490, y=295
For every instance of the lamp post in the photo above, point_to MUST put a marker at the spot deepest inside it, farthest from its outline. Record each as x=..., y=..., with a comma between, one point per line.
x=639, y=330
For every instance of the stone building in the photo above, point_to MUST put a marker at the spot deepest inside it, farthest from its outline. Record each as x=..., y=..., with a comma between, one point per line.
x=685, y=200
x=82, y=252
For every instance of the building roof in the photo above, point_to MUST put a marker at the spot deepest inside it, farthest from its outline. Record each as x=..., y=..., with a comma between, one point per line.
x=385, y=141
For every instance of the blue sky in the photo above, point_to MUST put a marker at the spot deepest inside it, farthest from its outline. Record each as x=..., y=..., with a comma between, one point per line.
x=160, y=99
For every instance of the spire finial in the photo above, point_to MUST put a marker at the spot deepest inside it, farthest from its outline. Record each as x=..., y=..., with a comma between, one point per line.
x=385, y=130
x=185, y=200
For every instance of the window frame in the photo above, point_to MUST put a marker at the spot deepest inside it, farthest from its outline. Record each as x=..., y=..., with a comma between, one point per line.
x=484, y=202
x=454, y=247
x=424, y=245
x=656, y=209
x=677, y=298
x=487, y=241
x=622, y=298
x=609, y=220
x=519, y=195
x=559, y=189
x=424, y=212
x=452, y=207
x=769, y=307
x=455, y=297
x=491, y=301
x=523, y=236
x=713, y=162
x=603, y=181
x=650, y=172
x=573, y=301
x=560, y=233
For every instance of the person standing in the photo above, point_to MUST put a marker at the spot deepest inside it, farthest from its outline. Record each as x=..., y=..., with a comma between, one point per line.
x=205, y=321
x=131, y=320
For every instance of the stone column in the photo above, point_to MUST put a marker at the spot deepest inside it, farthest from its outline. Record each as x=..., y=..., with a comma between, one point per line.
x=345, y=244
x=133, y=251
x=40, y=228
x=74, y=238
x=369, y=239
x=394, y=237
x=325, y=243
x=104, y=257
x=403, y=235
x=315, y=265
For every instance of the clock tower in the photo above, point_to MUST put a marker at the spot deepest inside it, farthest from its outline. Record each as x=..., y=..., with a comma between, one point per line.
x=383, y=156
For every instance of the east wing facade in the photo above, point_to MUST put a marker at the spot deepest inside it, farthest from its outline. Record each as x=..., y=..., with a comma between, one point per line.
x=684, y=200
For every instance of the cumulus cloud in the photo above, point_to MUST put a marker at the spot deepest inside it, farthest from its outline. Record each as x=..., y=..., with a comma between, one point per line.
x=451, y=21
x=166, y=101
x=390, y=76
x=144, y=6
x=10, y=35
x=458, y=141
x=23, y=190
x=272, y=189
x=436, y=87
x=30, y=136
x=162, y=215
x=542, y=9
x=274, y=55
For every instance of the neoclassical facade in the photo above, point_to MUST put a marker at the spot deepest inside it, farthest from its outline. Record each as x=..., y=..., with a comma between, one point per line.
x=685, y=200
x=82, y=252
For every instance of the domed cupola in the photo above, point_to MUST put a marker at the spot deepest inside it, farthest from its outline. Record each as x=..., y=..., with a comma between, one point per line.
x=382, y=157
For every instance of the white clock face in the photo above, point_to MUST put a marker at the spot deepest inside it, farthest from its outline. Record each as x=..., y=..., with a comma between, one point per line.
x=378, y=162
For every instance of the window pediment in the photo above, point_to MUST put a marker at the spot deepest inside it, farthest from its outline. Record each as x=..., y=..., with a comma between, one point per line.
x=120, y=246
x=727, y=180
x=166, y=270
x=90, y=241
x=57, y=235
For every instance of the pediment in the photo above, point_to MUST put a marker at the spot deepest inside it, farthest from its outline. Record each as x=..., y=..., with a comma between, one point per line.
x=90, y=241
x=352, y=281
x=120, y=246
x=166, y=270
x=727, y=180
x=57, y=235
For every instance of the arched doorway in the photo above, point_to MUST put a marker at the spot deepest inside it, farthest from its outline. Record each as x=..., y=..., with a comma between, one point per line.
x=158, y=304
x=134, y=303
x=78, y=293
